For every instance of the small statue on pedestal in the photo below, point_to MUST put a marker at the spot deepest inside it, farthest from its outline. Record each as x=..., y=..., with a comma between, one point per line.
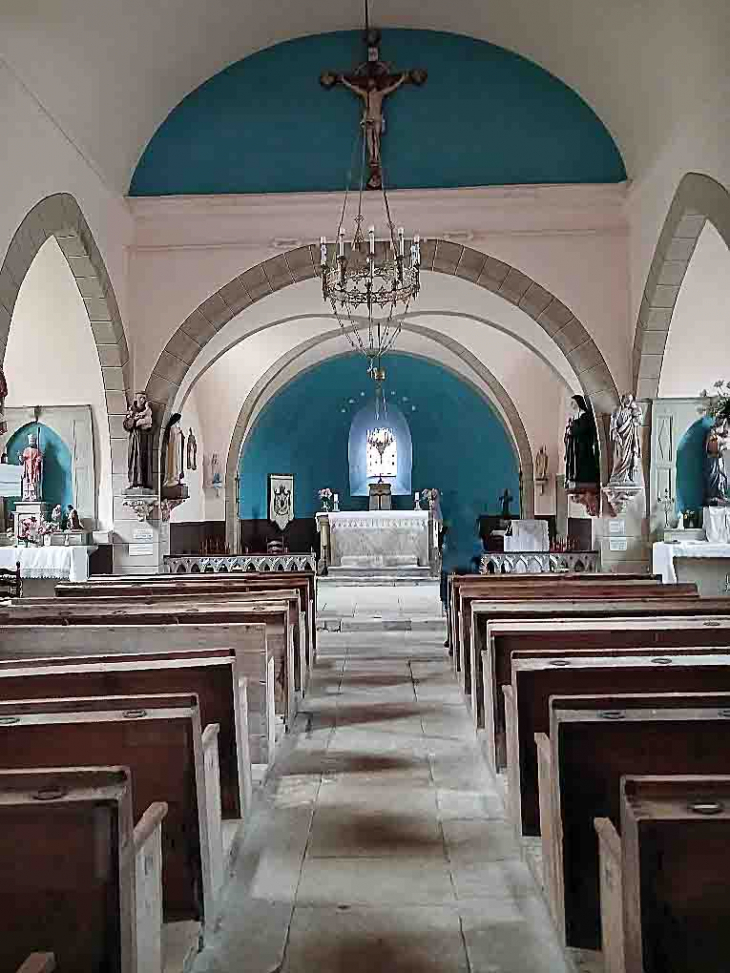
x=174, y=452
x=138, y=423
x=31, y=459
x=72, y=519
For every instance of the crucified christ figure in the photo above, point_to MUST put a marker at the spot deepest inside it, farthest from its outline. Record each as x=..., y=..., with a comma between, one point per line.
x=373, y=121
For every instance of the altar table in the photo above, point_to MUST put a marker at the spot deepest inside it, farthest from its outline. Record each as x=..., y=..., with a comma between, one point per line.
x=664, y=556
x=378, y=539
x=68, y=563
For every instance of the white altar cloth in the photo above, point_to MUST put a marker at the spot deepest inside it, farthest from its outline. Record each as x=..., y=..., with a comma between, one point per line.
x=68, y=563
x=663, y=556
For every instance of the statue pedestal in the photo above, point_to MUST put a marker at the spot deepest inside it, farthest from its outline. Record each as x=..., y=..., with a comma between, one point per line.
x=30, y=508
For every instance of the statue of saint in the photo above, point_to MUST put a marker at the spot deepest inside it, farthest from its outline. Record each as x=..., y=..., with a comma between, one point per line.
x=581, y=444
x=174, y=453
x=541, y=464
x=716, y=482
x=626, y=439
x=138, y=423
x=192, y=450
x=72, y=518
x=31, y=459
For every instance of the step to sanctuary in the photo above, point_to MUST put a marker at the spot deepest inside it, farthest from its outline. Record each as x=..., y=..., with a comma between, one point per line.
x=364, y=623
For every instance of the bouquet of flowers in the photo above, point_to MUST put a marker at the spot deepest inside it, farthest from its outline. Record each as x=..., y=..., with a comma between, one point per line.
x=325, y=495
x=718, y=403
x=429, y=494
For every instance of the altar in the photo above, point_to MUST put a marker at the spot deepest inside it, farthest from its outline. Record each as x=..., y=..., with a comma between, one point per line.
x=64, y=563
x=385, y=542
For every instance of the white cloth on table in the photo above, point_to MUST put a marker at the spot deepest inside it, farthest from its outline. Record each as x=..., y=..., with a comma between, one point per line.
x=527, y=535
x=663, y=556
x=716, y=522
x=68, y=563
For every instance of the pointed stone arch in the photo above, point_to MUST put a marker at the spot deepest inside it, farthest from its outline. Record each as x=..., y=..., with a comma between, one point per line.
x=60, y=216
x=261, y=393
x=698, y=199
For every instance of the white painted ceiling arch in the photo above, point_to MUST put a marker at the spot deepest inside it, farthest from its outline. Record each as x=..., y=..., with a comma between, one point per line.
x=109, y=73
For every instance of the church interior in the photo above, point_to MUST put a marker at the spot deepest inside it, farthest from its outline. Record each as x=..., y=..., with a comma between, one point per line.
x=364, y=502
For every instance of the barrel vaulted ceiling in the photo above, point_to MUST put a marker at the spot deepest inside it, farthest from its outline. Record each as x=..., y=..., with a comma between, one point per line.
x=109, y=73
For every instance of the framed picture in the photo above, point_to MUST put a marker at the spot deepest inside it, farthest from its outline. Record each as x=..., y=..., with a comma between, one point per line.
x=281, y=499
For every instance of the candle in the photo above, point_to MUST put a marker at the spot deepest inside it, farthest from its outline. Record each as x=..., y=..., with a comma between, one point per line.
x=418, y=497
x=401, y=241
x=371, y=238
x=323, y=250
x=342, y=241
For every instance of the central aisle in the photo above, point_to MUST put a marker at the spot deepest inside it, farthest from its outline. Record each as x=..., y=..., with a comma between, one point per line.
x=380, y=842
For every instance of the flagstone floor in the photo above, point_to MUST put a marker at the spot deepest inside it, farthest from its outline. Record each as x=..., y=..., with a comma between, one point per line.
x=379, y=842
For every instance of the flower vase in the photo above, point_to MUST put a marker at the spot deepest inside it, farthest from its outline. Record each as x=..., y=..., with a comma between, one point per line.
x=326, y=506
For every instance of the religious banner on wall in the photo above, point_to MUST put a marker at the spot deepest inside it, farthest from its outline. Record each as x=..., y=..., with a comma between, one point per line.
x=281, y=499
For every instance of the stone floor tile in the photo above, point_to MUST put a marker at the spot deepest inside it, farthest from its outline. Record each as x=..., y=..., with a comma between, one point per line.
x=468, y=805
x=363, y=833
x=375, y=881
x=358, y=940
x=474, y=842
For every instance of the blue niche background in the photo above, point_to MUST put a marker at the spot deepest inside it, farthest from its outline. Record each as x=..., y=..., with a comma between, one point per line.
x=485, y=117
x=690, y=466
x=57, y=467
x=459, y=443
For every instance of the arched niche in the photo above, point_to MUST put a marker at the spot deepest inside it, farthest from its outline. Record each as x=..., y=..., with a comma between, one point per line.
x=57, y=462
x=390, y=417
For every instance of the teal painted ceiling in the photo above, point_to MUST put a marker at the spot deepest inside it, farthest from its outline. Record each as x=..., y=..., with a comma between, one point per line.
x=484, y=117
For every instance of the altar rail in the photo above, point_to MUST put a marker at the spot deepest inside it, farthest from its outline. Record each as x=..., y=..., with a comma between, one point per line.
x=539, y=562
x=199, y=564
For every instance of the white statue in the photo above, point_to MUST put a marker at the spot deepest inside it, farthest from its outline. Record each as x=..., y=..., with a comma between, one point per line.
x=541, y=464
x=626, y=439
x=31, y=459
x=174, y=453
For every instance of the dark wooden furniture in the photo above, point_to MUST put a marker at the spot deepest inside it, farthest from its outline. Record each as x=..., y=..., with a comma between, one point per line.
x=11, y=584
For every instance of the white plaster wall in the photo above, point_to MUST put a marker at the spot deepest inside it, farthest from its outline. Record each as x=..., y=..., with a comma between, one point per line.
x=699, y=142
x=697, y=352
x=193, y=509
x=37, y=160
x=51, y=358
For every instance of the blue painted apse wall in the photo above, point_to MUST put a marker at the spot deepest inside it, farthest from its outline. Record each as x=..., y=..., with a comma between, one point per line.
x=690, y=466
x=485, y=117
x=57, y=467
x=459, y=444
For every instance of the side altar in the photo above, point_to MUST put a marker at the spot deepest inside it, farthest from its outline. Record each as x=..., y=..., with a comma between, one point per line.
x=383, y=542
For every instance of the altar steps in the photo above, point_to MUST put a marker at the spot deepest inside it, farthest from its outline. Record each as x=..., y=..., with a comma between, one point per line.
x=380, y=575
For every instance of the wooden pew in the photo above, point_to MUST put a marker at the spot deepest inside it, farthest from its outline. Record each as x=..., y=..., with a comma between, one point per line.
x=200, y=589
x=246, y=641
x=282, y=640
x=493, y=670
x=68, y=881
x=594, y=741
x=212, y=675
x=182, y=611
x=490, y=582
x=305, y=581
x=666, y=911
x=614, y=589
x=535, y=680
x=170, y=758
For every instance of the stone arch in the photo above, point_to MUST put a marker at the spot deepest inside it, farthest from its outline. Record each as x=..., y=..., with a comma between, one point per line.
x=259, y=396
x=698, y=198
x=60, y=216
x=439, y=256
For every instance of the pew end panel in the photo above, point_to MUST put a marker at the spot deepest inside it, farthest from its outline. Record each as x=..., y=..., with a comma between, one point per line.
x=147, y=837
x=676, y=879
x=39, y=963
x=68, y=888
x=611, y=896
x=549, y=854
x=513, y=763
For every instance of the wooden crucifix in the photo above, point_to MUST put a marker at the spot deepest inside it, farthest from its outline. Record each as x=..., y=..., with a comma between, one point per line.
x=373, y=81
